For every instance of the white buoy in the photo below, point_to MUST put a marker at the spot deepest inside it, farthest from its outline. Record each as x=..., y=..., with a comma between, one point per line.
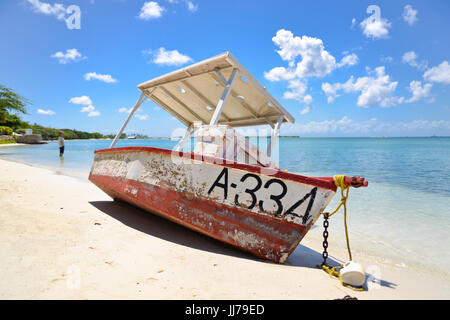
x=353, y=274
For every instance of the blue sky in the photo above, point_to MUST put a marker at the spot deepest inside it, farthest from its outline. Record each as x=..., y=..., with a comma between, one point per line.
x=339, y=70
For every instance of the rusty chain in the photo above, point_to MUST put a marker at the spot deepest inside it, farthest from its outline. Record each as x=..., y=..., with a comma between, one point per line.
x=325, y=238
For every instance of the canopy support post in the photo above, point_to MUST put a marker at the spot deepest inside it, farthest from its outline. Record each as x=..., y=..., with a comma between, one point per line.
x=183, y=140
x=138, y=104
x=226, y=92
x=273, y=144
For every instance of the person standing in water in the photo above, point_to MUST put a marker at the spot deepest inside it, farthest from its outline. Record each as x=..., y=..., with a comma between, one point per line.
x=61, y=143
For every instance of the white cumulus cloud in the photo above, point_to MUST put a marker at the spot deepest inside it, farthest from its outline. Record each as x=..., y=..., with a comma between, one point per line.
x=168, y=57
x=57, y=10
x=305, y=57
x=142, y=116
x=409, y=15
x=410, y=58
x=46, y=112
x=102, y=77
x=306, y=110
x=91, y=111
x=348, y=60
x=125, y=110
x=71, y=55
x=85, y=100
x=298, y=92
x=279, y=73
x=314, y=60
x=151, y=10
x=375, y=90
x=88, y=108
x=420, y=92
x=332, y=89
x=440, y=74
x=387, y=59
x=191, y=6
x=375, y=28
x=307, y=99
x=94, y=113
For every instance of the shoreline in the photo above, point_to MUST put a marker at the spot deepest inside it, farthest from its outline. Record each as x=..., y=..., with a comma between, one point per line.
x=80, y=174
x=82, y=245
x=14, y=145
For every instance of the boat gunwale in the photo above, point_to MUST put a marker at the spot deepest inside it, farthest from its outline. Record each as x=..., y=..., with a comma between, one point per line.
x=324, y=183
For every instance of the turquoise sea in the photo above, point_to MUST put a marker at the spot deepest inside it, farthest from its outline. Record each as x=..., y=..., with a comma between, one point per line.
x=403, y=217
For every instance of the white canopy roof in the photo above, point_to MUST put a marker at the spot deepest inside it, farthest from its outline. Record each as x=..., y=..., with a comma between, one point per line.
x=191, y=94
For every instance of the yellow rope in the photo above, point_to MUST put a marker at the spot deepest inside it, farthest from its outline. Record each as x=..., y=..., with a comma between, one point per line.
x=339, y=181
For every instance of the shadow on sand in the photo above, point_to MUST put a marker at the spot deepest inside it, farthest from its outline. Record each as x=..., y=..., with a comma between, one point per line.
x=157, y=226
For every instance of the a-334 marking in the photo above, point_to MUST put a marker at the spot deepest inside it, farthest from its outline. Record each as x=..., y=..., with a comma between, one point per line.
x=222, y=182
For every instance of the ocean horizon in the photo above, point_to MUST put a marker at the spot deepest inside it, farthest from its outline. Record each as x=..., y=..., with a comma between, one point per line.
x=402, y=217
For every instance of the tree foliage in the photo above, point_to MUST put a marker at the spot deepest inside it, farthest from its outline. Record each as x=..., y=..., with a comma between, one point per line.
x=14, y=122
x=5, y=130
x=11, y=102
x=53, y=134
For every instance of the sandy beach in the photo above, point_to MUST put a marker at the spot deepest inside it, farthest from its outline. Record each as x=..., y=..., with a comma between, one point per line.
x=63, y=238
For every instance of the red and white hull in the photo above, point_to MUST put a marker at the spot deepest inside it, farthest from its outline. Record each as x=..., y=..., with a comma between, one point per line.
x=264, y=211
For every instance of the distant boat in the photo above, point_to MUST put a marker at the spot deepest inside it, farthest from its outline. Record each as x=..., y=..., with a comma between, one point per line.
x=227, y=188
x=131, y=137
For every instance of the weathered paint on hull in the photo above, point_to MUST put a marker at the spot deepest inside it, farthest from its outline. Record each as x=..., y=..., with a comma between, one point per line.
x=230, y=202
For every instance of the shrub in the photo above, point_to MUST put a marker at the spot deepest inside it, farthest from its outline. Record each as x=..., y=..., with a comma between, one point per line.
x=6, y=130
x=7, y=141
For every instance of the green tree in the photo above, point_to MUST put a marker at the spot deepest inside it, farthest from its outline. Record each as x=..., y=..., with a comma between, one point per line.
x=13, y=121
x=11, y=102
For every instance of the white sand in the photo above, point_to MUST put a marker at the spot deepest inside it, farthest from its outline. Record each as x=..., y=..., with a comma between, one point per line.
x=63, y=238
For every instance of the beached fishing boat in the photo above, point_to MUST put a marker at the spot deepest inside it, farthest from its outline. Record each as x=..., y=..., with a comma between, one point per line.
x=226, y=187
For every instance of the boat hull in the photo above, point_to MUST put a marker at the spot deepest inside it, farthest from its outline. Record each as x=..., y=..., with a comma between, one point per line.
x=263, y=211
